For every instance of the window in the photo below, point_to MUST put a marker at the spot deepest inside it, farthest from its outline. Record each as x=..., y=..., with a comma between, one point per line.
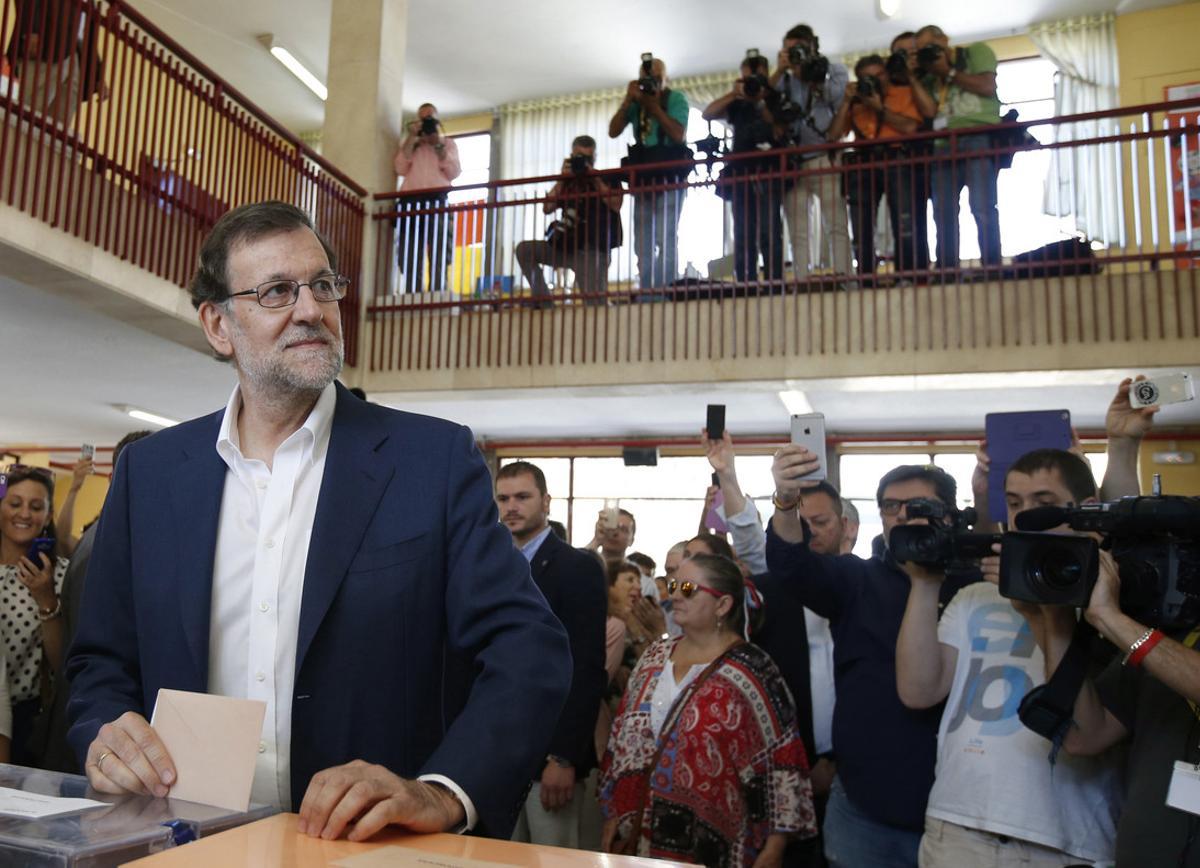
x=475, y=158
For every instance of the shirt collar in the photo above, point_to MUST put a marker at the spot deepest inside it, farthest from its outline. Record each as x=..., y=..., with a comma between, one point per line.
x=313, y=434
x=530, y=548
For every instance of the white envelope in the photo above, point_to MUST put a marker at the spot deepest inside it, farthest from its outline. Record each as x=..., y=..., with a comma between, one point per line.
x=213, y=741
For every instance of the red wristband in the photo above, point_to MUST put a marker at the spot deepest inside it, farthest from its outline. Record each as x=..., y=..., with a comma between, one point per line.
x=1136, y=658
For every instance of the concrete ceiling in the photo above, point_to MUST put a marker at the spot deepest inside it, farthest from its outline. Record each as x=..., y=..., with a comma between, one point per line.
x=80, y=367
x=473, y=55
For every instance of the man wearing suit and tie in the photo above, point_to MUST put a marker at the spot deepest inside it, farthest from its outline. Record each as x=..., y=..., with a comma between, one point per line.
x=324, y=555
x=574, y=585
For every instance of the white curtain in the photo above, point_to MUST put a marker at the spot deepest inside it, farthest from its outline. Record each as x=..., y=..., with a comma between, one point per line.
x=1084, y=180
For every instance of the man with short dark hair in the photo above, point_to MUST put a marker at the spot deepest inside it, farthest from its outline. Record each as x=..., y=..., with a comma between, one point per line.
x=876, y=807
x=996, y=799
x=585, y=233
x=962, y=80
x=273, y=551
x=428, y=161
x=575, y=587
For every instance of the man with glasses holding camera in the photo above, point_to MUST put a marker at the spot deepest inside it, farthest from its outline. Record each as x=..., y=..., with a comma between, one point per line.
x=585, y=233
x=996, y=799
x=885, y=751
x=276, y=551
x=428, y=161
x=962, y=80
x=812, y=88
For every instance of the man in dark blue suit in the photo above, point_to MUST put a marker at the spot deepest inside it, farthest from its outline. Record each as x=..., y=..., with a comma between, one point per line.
x=574, y=585
x=324, y=555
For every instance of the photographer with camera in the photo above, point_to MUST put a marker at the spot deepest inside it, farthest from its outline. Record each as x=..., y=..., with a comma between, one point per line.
x=1144, y=602
x=963, y=82
x=996, y=799
x=428, y=161
x=811, y=88
x=883, y=103
x=659, y=117
x=756, y=200
x=587, y=230
x=885, y=751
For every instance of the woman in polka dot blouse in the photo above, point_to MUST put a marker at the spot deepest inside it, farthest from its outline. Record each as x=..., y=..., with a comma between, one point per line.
x=30, y=608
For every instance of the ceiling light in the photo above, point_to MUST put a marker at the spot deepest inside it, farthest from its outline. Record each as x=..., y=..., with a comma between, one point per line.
x=294, y=66
x=796, y=402
x=152, y=418
x=887, y=8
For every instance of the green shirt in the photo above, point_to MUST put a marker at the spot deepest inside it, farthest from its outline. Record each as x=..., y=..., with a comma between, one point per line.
x=958, y=108
x=677, y=109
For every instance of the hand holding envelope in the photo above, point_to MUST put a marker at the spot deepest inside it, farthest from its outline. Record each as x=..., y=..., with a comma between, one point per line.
x=201, y=748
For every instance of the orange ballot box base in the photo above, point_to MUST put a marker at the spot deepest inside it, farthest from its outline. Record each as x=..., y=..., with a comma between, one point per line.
x=276, y=842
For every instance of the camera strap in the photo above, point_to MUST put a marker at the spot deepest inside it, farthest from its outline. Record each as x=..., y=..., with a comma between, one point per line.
x=1049, y=708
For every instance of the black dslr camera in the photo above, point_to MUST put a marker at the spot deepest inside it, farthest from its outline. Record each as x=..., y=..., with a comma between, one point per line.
x=1154, y=540
x=947, y=543
x=868, y=86
x=928, y=56
x=579, y=164
x=897, y=66
x=648, y=84
x=429, y=126
x=814, y=66
x=754, y=84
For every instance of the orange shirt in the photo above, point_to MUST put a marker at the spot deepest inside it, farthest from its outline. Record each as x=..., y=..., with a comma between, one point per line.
x=899, y=100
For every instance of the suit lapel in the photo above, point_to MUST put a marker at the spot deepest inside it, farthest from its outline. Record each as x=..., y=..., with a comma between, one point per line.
x=542, y=558
x=196, y=489
x=354, y=481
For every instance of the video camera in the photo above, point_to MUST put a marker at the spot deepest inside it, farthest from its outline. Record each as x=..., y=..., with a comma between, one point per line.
x=647, y=83
x=1155, y=541
x=947, y=543
x=814, y=66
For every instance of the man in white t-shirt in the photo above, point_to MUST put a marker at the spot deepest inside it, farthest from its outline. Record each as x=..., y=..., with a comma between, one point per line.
x=997, y=800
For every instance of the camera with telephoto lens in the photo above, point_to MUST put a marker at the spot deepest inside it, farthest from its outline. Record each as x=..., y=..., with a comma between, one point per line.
x=928, y=56
x=1154, y=540
x=647, y=83
x=947, y=543
x=755, y=83
x=868, y=86
x=429, y=126
x=897, y=66
x=814, y=66
x=579, y=164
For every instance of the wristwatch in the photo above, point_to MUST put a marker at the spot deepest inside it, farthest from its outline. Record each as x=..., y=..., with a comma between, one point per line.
x=559, y=761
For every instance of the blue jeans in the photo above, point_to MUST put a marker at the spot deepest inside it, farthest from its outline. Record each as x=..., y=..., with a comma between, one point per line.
x=979, y=174
x=854, y=840
x=656, y=237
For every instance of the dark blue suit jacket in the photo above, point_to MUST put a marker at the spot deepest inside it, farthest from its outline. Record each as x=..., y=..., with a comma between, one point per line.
x=407, y=565
x=574, y=585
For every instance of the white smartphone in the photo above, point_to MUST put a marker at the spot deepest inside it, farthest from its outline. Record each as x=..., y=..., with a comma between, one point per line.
x=808, y=430
x=1167, y=389
x=88, y=450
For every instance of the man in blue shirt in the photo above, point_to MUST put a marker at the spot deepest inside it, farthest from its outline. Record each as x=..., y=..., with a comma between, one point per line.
x=885, y=751
x=812, y=89
x=659, y=117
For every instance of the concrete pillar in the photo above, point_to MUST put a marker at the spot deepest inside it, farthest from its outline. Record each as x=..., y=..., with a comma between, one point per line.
x=366, y=79
x=363, y=117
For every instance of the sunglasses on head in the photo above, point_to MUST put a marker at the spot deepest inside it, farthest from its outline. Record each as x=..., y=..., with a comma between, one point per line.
x=687, y=589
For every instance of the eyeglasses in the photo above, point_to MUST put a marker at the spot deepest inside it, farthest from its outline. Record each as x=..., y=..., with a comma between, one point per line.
x=890, y=506
x=687, y=589
x=285, y=293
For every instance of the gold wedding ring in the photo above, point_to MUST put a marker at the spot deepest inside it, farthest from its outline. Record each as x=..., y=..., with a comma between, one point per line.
x=100, y=762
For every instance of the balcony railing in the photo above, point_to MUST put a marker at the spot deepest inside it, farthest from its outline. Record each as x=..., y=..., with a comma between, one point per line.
x=1105, y=251
x=116, y=135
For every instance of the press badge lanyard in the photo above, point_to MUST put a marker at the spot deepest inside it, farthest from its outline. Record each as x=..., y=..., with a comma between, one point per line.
x=1184, y=790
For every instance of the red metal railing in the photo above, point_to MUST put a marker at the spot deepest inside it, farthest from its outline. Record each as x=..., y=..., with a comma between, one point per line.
x=116, y=135
x=1112, y=209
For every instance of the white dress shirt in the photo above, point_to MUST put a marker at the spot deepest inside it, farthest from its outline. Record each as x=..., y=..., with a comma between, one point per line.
x=263, y=533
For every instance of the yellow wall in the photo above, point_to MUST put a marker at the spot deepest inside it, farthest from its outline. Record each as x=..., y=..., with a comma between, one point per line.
x=1176, y=478
x=1157, y=48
